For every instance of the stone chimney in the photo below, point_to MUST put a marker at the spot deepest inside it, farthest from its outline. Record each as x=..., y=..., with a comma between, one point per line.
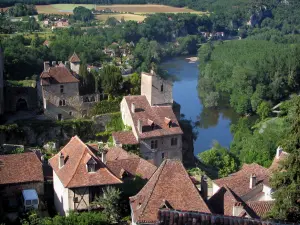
x=46, y=66
x=278, y=152
x=132, y=107
x=252, y=182
x=237, y=209
x=140, y=126
x=204, y=187
x=61, y=160
x=53, y=63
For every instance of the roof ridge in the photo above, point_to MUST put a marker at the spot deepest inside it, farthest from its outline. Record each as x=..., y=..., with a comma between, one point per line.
x=160, y=172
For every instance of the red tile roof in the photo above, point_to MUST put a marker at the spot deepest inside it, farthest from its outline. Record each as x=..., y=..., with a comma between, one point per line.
x=74, y=173
x=119, y=161
x=170, y=185
x=260, y=208
x=125, y=137
x=58, y=75
x=20, y=168
x=277, y=159
x=144, y=112
x=173, y=217
x=239, y=182
x=74, y=58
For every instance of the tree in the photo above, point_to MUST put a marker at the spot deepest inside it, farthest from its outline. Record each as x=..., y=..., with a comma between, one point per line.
x=135, y=81
x=111, y=79
x=110, y=202
x=83, y=14
x=264, y=110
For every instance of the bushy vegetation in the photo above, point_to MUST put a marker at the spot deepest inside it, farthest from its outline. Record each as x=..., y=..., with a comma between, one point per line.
x=83, y=14
x=22, y=10
x=106, y=106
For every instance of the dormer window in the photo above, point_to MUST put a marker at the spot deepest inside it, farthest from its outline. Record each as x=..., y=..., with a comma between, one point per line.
x=61, y=89
x=91, y=165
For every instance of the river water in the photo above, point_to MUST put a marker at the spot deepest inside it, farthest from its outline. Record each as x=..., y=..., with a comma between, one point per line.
x=211, y=124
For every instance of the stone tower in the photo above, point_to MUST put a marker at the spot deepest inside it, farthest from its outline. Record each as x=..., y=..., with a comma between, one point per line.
x=74, y=63
x=157, y=90
x=1, y=81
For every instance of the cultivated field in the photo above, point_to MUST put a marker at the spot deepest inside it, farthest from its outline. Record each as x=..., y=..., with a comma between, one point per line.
x=137, y=9
x=119, y=16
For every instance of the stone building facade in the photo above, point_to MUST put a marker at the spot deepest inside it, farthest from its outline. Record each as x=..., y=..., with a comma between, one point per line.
x=59, y=91
x=154, y=125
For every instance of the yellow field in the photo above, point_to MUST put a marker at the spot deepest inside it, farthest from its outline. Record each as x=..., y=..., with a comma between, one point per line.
x=137, y=9
x=119, y=16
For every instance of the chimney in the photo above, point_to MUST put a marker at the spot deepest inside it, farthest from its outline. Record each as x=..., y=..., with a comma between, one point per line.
x=140, y=126
x=103, y=157
x=237, y=209
x=204, y=187
x=278, y=152
x=53, y=63
x=46, y=66
x=61, y=161
x=133, y=108
x=252, y=181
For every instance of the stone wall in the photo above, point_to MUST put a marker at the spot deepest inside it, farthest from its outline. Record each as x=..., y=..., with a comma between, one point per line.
x=16, y=189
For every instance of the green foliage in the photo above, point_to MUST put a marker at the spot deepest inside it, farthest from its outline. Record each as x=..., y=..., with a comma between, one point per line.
x=111, y=79
x=22, y=10
x=105, y=106
x=18, y=151
x=249, y=71
x=264, y=110
x=115, y=123
x=87, y=80
x=221, y=158
x=110, y=202
x=83, y=14
x=22, y=83
x=9, y=128
x=84, y=218
x=135, y=81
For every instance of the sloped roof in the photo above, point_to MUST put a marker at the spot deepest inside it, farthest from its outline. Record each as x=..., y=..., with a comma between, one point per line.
x=170, y=185
x=58, y=75
x=74, y=58
x=125, y=137
x=259, y=209
x=239, y=182
x=119, y=160
x=277, y=159
x=74, y=172
x=20, y=168
x=144, y=112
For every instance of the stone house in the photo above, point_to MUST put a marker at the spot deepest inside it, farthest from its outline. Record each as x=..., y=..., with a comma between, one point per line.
x=246, y=193
x=79, y=176
x=155, y=127
x=19, y=172
x=170, y=188
x=59, y=91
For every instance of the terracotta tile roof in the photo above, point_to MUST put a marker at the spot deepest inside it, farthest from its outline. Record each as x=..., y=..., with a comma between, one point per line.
x=171, y=186
x=277, y=159
x=58, y=75
x=239, y=182
x=119, y=161
x=157, y=114
x=259, y=208
x=74, y=173
x=125, y=137
x=20, y=168
x=174, y=217
x=74, y=58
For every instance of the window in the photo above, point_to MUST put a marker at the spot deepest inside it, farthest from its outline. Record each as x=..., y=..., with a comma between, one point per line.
x=162, y=155
x=63, y=102
x=61, y=88
x=173, y=141
x=28, y=202
x=70, y=113
x=34, y=201
x=154, y=144
x=60, y=103
x=162, y=88
x=91, y=168
x=59, y=116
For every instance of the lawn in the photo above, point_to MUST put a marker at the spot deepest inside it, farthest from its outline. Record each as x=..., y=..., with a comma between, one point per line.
x=138, y=9
x=119, y=16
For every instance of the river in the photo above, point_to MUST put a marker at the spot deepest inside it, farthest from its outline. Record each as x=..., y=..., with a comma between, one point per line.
x=211, y=124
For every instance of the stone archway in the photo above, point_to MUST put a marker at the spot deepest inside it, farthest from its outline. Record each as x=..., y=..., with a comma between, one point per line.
x=21, y=104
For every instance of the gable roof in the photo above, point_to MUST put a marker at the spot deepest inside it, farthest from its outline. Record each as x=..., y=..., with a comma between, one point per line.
x=74, y=173
x=125, y=137
x=170, y=183
x=74, y=58
x=58, y=75
x=239, y=182
x=258, y=209
x=280, y=156
x=145, y=112
x=119, y=160
x=20, y=168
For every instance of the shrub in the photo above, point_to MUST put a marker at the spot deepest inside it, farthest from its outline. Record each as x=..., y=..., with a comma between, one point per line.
x=106, y=106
